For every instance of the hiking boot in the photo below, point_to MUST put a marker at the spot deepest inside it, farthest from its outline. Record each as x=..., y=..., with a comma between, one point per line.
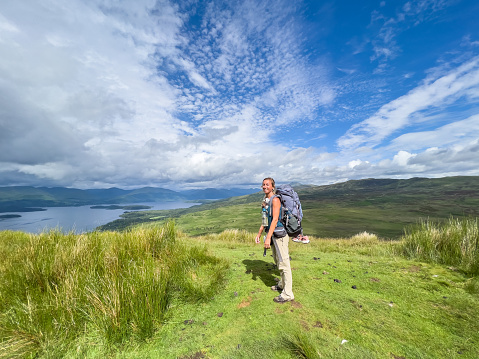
x=276, y=288
x=279, y=299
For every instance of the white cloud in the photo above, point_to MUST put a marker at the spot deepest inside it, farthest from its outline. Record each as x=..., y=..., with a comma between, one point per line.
x=455, y=159
x=408, y=110
x=402, y=158
x=6, y=27
x=450, y=134
x=107, y=93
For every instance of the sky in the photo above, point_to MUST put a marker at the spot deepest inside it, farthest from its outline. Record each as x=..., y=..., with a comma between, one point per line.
x=200, y=94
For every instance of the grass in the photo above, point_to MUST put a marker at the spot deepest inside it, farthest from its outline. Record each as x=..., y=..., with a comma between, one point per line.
x=356, y=297
x=57, y=287
x=301, y=345
x=454, y=242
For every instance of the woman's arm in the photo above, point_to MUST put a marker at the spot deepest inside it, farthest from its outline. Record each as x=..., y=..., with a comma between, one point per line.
x=276, y=207
x=261, y=229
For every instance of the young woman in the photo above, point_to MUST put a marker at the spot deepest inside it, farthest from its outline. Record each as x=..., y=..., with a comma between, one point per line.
x=276, y=233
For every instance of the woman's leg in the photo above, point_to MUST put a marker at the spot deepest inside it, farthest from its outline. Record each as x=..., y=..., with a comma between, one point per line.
x=285, y=268
x=276, y=262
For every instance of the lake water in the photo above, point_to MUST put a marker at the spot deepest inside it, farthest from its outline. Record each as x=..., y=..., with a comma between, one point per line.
x=78, y=219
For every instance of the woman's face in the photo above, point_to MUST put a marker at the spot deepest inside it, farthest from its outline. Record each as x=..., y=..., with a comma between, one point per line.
x=267, y=186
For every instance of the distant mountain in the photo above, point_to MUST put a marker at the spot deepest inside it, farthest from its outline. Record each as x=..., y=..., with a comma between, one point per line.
x=149, y=194
x=414, y=189
x=213, y=193
x=106, y=193
x=24, y=198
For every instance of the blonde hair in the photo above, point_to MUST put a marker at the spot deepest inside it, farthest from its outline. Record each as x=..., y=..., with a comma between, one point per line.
x=272, y=183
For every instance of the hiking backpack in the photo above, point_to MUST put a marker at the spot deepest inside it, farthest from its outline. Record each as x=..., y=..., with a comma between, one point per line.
x=293, y=213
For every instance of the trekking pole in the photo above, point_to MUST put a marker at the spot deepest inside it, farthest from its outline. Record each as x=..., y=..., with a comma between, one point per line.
x=264, y=252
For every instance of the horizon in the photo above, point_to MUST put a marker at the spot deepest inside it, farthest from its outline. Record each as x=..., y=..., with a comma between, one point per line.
x=294, y=185
x=212, y=94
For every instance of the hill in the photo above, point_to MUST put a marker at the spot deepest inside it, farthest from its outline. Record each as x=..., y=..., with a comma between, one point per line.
x=380, y=206
x=24, y=199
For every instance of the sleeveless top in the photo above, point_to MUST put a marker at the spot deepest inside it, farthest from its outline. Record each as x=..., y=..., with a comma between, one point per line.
x=279, y=231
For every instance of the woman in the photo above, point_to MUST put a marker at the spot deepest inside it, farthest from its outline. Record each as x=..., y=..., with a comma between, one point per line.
x=276, y=232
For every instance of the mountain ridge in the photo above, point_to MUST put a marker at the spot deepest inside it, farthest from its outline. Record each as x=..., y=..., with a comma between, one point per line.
x=27, y=198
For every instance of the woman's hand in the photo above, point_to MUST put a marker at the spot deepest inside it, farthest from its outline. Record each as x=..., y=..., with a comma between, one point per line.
x=267, y=243
x=258, y=237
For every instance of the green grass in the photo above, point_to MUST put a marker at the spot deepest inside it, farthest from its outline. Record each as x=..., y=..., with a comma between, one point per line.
x=57, y=287
x=455, y=242
x=220, y=304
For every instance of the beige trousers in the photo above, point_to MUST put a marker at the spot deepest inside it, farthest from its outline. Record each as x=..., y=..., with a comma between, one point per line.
x=284, y=266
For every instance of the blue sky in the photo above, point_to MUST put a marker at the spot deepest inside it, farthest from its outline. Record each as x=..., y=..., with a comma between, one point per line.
x=194, y=94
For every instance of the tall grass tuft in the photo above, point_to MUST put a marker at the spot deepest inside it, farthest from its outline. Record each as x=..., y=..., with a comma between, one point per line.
x=472, y=286
x=236, y=235
x=300, y=345
x=56, y=288
x=454, y=242
x=232, y=236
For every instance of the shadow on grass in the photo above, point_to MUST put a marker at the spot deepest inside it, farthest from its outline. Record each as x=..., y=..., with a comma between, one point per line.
x=265, y=271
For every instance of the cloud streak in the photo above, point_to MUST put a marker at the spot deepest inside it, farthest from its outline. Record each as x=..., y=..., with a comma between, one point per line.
x=410, y=109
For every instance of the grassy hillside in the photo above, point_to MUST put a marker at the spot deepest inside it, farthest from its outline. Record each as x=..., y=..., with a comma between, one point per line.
x=156, y=293
x=383, y=207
